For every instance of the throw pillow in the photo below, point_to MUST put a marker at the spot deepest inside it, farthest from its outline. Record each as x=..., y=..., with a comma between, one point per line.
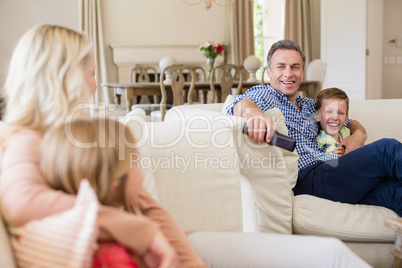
x=67, y=239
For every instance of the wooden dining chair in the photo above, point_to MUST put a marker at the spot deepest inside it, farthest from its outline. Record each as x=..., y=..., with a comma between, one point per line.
x=200, y=76
x=177, y=85
x=140, y=73
x=144, y=74
x=228, y=74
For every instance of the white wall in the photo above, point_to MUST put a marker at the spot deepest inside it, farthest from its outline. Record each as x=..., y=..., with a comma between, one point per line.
x=17, y=16
x=374, y=42
x=392, y=28
x=134, y=22
x=171, y=22
x=160, y=23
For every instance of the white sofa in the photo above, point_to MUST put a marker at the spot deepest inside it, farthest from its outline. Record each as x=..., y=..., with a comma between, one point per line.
x=211, y=177
x=231, y=184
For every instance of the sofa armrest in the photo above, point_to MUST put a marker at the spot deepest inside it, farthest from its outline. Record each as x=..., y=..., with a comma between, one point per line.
x=6, y=254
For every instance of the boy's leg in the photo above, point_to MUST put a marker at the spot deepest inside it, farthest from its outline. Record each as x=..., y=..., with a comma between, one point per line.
x=351, y=177
x=256, y=250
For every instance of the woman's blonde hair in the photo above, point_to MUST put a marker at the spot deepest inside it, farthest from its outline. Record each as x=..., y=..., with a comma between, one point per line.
x=46, y=77
x=98, y=149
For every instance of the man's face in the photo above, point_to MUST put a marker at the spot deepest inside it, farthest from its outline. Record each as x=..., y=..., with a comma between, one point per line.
x=286, y=72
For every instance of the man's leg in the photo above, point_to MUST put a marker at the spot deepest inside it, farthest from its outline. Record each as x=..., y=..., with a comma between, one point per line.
x=353, y=176
x=387, y=192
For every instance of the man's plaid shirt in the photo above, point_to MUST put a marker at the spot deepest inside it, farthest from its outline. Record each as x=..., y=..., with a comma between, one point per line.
x=302, y=125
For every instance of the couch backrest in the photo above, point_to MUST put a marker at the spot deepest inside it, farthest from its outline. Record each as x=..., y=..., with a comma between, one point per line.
x=190, y=176
x=6, y=255
x=381, y=118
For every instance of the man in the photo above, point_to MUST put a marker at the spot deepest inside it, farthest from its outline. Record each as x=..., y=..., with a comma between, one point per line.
x=370, y=174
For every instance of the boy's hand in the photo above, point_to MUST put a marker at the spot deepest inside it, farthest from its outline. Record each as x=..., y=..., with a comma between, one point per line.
x=357, y=139
x=340, y=150
x=353, y=142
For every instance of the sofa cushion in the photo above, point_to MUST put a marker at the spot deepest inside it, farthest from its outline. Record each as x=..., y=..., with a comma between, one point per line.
x=364, y=223
x=66, y=239
x=271, y=171
x=192, y=169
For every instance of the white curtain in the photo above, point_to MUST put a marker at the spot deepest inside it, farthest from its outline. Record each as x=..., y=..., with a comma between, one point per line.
x=91, y=23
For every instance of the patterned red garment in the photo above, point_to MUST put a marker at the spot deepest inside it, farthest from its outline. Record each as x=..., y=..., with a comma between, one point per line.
x=113, y=255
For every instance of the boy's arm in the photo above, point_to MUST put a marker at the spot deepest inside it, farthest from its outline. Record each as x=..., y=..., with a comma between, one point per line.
x=357, y=139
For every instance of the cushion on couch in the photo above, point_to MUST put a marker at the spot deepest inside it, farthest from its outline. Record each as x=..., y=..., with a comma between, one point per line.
x=270, y=174
x=317, y=216
x=66, y=239
x=195, y=180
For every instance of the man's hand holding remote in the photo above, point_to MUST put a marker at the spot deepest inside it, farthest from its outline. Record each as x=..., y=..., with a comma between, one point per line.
x=280, y=140
x=261, y=127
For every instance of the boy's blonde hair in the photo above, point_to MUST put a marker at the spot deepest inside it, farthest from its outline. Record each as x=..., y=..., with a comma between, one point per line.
x=46, y=77
x=100, y=150
x=331, y=93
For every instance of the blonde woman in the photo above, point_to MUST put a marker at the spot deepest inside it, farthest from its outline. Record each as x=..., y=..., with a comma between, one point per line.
x=51, y=71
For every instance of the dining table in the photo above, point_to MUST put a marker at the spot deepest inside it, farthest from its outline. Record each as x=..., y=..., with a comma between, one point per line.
x=132, y=90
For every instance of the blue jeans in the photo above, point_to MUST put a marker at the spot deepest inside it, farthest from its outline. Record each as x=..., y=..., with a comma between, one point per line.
x=370, y=175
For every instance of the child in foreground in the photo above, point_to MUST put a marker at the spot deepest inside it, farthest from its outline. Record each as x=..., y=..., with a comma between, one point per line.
x=331, y=111
x=95, y=149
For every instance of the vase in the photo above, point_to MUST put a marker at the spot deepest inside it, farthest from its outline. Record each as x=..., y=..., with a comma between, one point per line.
x=210, y=65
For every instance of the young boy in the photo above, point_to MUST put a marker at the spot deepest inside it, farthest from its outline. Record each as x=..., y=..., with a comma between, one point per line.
x=331, y=110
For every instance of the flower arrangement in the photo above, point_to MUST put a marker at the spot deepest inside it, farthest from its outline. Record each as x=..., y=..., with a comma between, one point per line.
x=211, y=50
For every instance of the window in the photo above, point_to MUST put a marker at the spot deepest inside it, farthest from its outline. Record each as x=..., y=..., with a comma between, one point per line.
x=269, y=27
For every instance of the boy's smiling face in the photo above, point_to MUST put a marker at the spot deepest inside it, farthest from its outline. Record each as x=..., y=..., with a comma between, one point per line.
x=332, y=116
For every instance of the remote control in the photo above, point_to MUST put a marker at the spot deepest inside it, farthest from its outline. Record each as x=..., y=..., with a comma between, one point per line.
x=279, y=140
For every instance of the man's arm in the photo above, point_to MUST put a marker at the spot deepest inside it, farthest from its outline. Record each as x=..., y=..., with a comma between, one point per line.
x=357, y=139
x=260, y=126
